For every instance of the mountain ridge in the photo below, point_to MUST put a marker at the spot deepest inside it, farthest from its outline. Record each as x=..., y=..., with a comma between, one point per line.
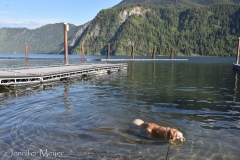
x=45, y=39
x=208, y=30
x=142, y=24
x=189, y=3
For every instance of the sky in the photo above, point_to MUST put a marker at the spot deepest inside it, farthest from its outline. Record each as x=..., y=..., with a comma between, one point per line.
x=36, y=13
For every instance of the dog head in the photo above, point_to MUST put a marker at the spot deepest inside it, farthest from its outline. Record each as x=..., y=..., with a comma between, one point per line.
x=176, y=135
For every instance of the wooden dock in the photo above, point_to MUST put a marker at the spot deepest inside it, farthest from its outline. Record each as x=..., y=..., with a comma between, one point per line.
x=236, y=66
x=22, y=76
x=105, y=60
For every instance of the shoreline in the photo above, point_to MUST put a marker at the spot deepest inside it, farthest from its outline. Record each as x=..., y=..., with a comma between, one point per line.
x=89, y=59
x=39, y=58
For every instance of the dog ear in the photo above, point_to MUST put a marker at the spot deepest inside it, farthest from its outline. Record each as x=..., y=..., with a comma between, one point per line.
x=173, y=134
x=169, y=133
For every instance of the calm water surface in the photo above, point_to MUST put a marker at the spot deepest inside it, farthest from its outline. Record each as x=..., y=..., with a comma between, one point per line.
x=91, y=118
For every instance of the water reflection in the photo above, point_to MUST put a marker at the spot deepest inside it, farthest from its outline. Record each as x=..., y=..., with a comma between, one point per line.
x=66, y=97
x=27, y=62
x=235, y=87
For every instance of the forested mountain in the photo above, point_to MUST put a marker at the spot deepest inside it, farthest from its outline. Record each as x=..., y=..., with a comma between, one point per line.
x=182, y=3
x=205, y=30
x=204, y=27
x=46, y=39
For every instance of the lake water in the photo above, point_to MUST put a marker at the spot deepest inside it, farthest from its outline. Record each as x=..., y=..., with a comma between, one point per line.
x=92, y=118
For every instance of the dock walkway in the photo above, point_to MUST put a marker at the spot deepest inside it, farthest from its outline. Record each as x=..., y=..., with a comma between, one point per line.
x=104, y=60
x=16, y=76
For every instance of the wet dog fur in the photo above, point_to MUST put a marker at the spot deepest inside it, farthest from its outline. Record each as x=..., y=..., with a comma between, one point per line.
x=159, y=131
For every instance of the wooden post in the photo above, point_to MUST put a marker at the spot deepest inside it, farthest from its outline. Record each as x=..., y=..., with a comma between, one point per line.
x=26, y=51
x=82, y=51
x=154, y=53
x=108, y=51
x=65, y=30
x=172, y=54
x=132, y=53
x=238, y=50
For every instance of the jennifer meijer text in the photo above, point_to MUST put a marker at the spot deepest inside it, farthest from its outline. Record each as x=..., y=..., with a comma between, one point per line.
x=40, y=153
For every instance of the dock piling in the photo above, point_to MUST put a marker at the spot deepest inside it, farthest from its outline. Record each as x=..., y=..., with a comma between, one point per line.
x=172, y=54
x=132, y=53
x=82, y=52
x=238, y=50
x=26, y=51
x=154, y=53
x=108, y=51
x=65, y=30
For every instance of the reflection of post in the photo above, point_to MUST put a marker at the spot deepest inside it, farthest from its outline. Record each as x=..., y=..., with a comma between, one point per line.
x=132, y=53
x=172, y=73
x=238, y=50
x=66, y=92
x=65, y=30
x=40, y=86
x=132, y=66
x=66, y=98
x=133, y=81
x=27, y=63
x=235, y=87
x=154, y=71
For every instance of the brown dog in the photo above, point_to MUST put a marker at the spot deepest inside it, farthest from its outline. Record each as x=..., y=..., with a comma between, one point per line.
x=159, y=131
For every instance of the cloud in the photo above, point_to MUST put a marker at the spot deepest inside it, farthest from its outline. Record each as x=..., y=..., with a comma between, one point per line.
x=7, y=20
x=6, y=12
x=25, y=23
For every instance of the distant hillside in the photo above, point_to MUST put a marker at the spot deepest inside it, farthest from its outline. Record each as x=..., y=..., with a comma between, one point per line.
x=206, y=30
x=46, y=39
x=175, y=3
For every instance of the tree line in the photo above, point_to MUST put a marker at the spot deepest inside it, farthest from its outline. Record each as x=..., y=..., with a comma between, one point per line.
x=208, y=31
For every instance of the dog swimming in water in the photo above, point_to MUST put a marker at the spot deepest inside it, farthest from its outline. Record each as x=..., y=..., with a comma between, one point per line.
x=160, y=131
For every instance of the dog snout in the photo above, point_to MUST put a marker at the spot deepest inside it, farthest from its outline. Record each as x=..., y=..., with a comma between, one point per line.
x=183, y=139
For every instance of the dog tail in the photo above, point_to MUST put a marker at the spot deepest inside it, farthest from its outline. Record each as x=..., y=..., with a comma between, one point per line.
x=138, y=122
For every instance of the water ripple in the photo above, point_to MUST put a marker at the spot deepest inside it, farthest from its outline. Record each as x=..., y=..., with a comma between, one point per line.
x=92, y=118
